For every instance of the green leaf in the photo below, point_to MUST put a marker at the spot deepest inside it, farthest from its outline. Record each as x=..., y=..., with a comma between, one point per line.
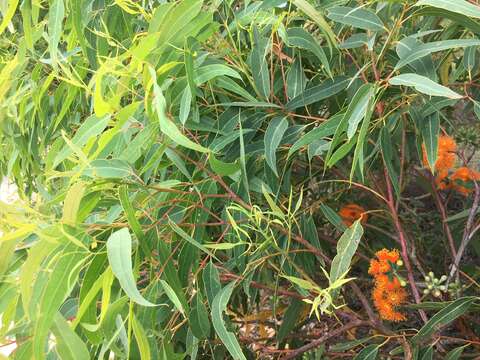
x=430, y=129
x=332, y=217
x=185, y=105
x=119, y=252
x=368, y=353
x=108, y=169
x=132, y=219
x=7, y=16
x=424, y=85
x=71, y=204
x=211, y=281
x=326, y=128
x=167, y=127
x=358, y=108
x=141, y=338
x=189, y=239
x=317, y=93
x=296, y=80
x=68, y=344
x=55, y=19
x=355, y=41
x=91, y=127
x=387, y=154
x=347, y=345
x=428, y=354
x=300, y=38
x=172, y=296
x=455, y=354
x=209, y=72
x=425, y=49
x=223, y=168
x=357, y=17
x=346, y=247
x=459, y=6
x=273, y=137
x=228, y=339
x=198, y=319
x=51, y=290
x=290, y=319
x=260, y=70
x=444, y=317
x=316, y=16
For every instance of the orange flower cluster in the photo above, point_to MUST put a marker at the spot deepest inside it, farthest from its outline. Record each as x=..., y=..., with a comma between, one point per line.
x=352, y=212
x=445, y=163
x=460, y=177
x=388, y=292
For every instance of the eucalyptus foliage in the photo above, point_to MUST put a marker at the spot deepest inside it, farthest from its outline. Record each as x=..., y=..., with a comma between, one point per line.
x=180, y=165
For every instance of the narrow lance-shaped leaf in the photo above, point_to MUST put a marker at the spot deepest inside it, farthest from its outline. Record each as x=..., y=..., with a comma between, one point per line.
x=55, y=20
x=299, y=37
x=272, y=139
x=228, y=338
x=166, y=125
x=260, y=71
x=346, y=247
x=316, y=16
x=444, y=317
x=424, y=85
x=430, y=128
x=357, y=17
x=119, y=251
x=459, y=6
x=68, y=344
x=431, y=47
x=317, y=93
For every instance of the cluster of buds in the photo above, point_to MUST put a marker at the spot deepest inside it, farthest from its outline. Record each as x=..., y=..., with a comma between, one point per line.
x=434, y=285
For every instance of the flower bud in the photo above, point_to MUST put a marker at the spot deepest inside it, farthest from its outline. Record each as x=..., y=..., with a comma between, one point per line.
x=399, y=262
x=426, y=291
x=403, y=283
x=437, y=293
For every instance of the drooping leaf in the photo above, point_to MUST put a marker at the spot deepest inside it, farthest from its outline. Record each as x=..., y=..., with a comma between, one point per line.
x=424, y=85
x=346, y=247
x=273, y=136
x=357, y=17
x=317, y=93
x=459, y=6
x=69, y=345
x=444, y=317
x=428, y=48
x=260, y=70
x=228, y=338
x=119, y=251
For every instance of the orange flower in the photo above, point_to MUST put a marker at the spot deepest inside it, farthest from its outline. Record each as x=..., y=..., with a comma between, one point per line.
x=462, y=176
x=386, y=255
x=445, y=155
x=388, y=292
x=352, y=212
